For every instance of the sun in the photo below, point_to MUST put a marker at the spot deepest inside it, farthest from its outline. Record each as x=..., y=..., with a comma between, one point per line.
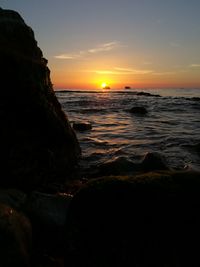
x=103, y=85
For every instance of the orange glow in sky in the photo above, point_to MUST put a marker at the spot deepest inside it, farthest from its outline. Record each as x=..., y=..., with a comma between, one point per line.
x=139, y=44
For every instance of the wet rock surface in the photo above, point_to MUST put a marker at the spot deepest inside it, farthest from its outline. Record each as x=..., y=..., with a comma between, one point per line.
x=138, y=110
x=154, y=161
x=117, y=166
x=82, y=126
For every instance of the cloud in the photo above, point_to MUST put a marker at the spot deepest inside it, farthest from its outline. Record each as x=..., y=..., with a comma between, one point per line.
x=68, y=56
x=130, y=71
x=104, y=47
x=133, y=71
x=105, y=72
x=194, y=65
x=122, y=71
x=98, y=49
x=164, y=73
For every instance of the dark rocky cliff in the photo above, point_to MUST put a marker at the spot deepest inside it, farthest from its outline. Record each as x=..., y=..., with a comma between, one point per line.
x=36, y=140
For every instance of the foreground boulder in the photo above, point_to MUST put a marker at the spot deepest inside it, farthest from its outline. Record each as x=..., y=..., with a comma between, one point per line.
x=48, y=215
x=15, y=238
x=145, y=220
x=37, y=142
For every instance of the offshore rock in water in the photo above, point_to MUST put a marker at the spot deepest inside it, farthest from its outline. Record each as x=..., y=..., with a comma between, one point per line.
x=82, y=126
x=37, y=142
x=117, y=166
x=138, y=110
x=147, y=94
x=196, y=99
x=197, y=148
x=154, y=161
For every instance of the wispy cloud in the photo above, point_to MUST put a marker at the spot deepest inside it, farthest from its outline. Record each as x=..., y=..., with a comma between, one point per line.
x=106, y=72
x=133, y=71
x=98, y=49
x=194, y=65
x=104, y=47
x=122, y=71
x=164, y=73
x=68, y=56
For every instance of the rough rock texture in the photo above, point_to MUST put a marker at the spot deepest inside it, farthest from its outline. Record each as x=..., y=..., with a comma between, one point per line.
x=140, y=221
x=15, y=238
x=48, y=215
x=36, y=140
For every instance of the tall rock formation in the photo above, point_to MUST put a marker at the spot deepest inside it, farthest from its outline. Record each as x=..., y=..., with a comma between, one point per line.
x=37, y=143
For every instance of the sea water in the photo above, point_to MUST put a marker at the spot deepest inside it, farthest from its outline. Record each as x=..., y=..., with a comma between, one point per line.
x=171, y=127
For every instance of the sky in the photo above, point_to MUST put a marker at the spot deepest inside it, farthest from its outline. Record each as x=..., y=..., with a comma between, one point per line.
x=136, y=43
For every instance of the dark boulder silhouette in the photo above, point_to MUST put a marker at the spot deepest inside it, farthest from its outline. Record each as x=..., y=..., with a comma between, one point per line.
x=138, y=110
x=154, y=161
x=147, y=94
x=116, y=166
x=82, y=126
x=37, y=142
x=145, y=220
x=15, y=238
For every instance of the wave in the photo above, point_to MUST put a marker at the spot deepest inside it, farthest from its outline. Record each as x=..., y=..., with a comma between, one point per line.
x=180, y=92
x=171, y=123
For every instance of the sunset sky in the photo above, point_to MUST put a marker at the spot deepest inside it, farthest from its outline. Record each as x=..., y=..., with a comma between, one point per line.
x=137, y=43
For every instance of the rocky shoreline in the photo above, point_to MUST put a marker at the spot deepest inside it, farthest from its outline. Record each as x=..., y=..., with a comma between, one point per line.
x=50, y=215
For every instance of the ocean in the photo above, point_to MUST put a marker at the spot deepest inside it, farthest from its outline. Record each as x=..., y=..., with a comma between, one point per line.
x=171, y=127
